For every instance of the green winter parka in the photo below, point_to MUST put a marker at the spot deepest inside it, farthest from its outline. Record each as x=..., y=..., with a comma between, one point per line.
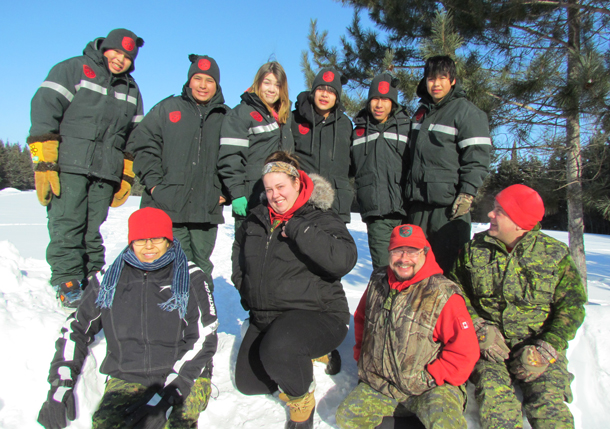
x=92, y=110
x=533, y=292
x=176, y=148
x=323, y=147
x=449, y=148
x=248, y=136
x=378, y=151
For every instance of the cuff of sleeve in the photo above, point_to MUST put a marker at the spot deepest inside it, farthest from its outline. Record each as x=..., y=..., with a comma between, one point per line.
x=557, y=342
x=467, y=188
x=436, y=371
x=237, y=192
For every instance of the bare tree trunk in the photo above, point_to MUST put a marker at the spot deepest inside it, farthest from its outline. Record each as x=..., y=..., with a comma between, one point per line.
x=574, y=166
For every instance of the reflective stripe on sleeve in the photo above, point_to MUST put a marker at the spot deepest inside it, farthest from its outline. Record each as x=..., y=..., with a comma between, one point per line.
x=365, y=139
x=416, y=126
x=443, y=129
x=264, y=128
x=59, y=88
x=124, y=97
x=91, y=86
x=137, y=118
x=234, y=142
x=474, y=141
x=394, y=136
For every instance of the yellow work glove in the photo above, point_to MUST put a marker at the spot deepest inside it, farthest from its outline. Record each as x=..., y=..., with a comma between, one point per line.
x=43, y=150
x=124, y=191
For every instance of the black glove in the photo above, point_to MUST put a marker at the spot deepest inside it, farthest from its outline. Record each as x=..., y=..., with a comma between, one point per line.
x=58, y=406
x=154, y=413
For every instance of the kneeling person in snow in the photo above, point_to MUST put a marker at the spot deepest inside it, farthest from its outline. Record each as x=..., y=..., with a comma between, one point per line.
x=160, y=322
x=526, y=299
x=415, y=343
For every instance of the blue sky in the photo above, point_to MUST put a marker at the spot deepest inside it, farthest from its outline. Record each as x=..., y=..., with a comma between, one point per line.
x=240, y=35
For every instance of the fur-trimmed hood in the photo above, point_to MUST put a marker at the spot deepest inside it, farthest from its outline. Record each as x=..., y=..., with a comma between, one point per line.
x=322, y=196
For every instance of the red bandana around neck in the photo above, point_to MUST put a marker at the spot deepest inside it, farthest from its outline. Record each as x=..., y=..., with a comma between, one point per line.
x=304, y=195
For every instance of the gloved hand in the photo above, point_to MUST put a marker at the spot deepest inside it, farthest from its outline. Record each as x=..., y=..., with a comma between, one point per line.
x=531, y=361
x=461, y=205
x=154, y=413
x=124, y=191
x=491, y=341
x=58, y=406
x=44, y=152
x=239, y=206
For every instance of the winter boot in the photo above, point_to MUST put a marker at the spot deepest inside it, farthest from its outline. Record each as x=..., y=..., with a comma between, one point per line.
x=69, y=293
x=332, y=361
x=301, y=410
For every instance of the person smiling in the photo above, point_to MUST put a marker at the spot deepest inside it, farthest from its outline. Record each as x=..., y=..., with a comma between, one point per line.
x=253, y=130
x=415, y=343
x=288, y=258
x=322, y=136
x=82, y=116
x=159, y=319
x=379, y=144
x=176, y=148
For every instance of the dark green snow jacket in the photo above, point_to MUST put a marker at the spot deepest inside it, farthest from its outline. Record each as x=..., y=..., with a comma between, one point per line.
x=378, y=150
x=176, y=148
x=92, y=110
x=323, y=147
x=449, y=148
x=249, y=135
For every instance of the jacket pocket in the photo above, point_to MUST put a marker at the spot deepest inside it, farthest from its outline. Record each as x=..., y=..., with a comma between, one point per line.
x=167, y=192
x=344, y=195
x=366, y=193
x=440, y=186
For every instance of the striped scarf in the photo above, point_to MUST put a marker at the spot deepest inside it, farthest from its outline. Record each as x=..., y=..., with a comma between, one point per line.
x=180, y=281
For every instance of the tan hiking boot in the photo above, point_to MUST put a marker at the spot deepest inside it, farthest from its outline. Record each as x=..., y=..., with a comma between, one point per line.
x=301, y=410
x=332, y=361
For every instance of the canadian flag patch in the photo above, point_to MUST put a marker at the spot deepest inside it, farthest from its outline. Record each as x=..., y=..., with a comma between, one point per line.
x=463, y=324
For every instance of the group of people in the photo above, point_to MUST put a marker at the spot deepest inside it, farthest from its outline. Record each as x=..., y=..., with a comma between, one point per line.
x=439, y=309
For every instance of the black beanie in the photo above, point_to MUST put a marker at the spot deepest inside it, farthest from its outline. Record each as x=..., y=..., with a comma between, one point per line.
x=331, y=77
x=384, y=86
x=124, y=40
x=203, y=64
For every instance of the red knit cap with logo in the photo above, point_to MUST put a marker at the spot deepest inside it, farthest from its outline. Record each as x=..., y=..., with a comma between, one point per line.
x=408, y=235
x=150, y=223
x=522, y=204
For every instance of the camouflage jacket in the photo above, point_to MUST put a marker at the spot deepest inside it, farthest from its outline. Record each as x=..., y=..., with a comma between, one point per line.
x=397, y=341
x=532, y=292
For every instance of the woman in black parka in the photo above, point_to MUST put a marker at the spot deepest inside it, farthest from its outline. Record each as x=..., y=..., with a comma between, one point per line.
x=288, y=258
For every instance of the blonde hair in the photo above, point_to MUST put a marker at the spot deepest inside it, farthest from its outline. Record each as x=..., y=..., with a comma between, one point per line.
x=282, y=105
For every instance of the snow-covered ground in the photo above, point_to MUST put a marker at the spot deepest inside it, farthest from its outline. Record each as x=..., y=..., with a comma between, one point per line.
x=30, y=319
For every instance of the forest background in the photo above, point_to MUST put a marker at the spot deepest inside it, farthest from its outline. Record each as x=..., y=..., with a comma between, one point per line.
x=539, y=69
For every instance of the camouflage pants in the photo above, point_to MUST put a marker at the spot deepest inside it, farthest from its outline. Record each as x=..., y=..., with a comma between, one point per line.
x=543, y=398
x=440, y=407
x=120, y=395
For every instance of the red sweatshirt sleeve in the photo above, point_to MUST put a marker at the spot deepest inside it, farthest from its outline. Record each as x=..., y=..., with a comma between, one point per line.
x=359, y=324
x=460, y=346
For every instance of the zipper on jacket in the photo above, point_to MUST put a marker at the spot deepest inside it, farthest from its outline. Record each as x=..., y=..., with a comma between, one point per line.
x=144, y=325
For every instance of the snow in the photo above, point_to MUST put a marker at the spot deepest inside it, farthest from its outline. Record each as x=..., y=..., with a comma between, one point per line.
x=30, y=320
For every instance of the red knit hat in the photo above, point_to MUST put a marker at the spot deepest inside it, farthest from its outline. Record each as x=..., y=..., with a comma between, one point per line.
x=408, y=235
x=522, y=204
x=150, y=223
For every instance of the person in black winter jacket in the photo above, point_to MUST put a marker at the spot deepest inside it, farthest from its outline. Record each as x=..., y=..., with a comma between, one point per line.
x=176, y=148
x=288, y=258
x=253, y=130
x=379, y=144
x=82, y=115
x=159, y=319
x=449, y=156
x=322, y=136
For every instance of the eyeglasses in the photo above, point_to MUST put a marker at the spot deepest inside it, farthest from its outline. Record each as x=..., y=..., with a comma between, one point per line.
x=410, y=253
x=142, y=241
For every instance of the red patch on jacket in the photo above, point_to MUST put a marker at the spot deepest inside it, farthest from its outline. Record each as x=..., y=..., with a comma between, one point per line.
x=256, y=116
x=175, y=116
x=204, y=64
x=128, y=43
x=88, y=71
x=384, y=87
x=304, y=128
x=420, y=114
x=359, y=132
x=328, y=76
